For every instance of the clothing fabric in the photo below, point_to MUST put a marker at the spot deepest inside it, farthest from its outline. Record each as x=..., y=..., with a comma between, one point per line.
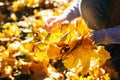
x=73, y=11
x=95, y=13
x=107, y=36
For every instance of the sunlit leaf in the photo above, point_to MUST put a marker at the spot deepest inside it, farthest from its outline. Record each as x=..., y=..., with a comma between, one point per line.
x=53, y=37
x=41, y=56
x=80, y=54
x=53, y=51
x=102, y=55
x=82, y=27
x=64, y=37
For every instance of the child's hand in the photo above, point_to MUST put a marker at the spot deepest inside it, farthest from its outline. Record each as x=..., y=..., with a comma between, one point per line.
x=52, y=21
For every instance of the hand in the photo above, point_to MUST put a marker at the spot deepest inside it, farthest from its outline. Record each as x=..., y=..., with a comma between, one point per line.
x=91, y=36
x=52, y=21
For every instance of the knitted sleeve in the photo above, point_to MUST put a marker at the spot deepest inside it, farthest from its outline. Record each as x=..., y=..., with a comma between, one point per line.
x=72, y=12
x=107, y=36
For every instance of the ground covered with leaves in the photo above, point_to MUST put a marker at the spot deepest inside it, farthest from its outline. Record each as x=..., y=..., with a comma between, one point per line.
x=29, y=52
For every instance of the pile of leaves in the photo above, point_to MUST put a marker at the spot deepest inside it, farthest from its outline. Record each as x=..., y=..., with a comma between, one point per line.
x=29, y=52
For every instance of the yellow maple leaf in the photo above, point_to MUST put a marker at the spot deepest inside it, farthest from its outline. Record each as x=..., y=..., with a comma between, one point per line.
x=53, y=51
x=102, y=55
x=53, y=37
x=79, y=50
x=41, y=56
x=82, y=27
x=80, y=53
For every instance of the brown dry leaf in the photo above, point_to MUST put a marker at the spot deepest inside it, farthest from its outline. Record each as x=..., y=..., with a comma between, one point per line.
x=39, y=70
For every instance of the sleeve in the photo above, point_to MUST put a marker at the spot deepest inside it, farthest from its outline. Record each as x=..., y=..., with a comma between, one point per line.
x=73, y=11
x=107, y=36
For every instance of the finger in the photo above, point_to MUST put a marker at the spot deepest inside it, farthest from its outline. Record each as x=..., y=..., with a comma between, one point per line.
x=48, y=28
x=50, y=20
x=53, y=22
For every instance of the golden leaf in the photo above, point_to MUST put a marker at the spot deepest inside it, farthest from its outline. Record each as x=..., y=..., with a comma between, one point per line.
x=26, y=47
x=53, y=37
x=82, y=27
x=71, y=60
x=53, y=51
x=101, y=54
x=40, y=46
x=41, y=56
x=80, y=53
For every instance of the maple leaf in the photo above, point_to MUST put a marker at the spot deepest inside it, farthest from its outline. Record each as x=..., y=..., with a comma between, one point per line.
x=53, y=51
x=82, y=27
x=102, y=55
x=80, y=53
x=53, y=37
x=41, y=56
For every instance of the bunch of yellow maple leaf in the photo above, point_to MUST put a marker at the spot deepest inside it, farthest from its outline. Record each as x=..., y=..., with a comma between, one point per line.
x=77, y=52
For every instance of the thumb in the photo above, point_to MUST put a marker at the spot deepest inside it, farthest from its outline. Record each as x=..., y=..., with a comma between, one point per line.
x=52, y=23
